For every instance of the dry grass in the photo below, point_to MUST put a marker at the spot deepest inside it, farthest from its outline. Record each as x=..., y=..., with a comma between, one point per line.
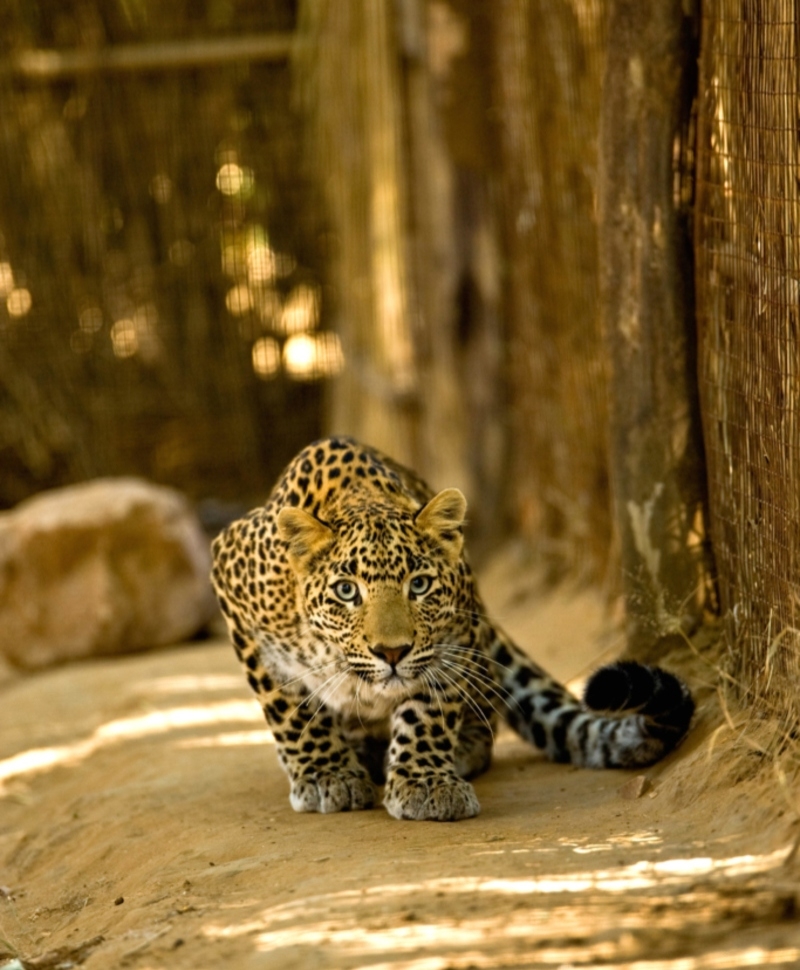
x=747, y=756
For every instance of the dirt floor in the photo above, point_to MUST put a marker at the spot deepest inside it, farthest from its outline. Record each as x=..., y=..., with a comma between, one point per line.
x=144, y=824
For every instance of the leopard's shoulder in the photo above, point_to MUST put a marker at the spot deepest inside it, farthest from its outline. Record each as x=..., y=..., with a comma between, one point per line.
x=332, y=469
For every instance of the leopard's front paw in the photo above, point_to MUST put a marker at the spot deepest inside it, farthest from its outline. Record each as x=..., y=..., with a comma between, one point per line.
x=440, y=798
x=327, y=792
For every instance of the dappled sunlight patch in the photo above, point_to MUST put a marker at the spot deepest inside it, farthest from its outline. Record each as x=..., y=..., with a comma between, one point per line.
x=753, y=956
x=192, y=683
x=229, y=739
x=596, y=915
x=172, y=718
x=567, y=958
x=157, y=722
x=579, y=847
x=621, y=840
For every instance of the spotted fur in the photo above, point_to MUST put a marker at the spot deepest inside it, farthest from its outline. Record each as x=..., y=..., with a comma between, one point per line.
x=353, y=609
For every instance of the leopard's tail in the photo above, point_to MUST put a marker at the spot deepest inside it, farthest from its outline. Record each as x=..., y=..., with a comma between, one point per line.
x=631, y=714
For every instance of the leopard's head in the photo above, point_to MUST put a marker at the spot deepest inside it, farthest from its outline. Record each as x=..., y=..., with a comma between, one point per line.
x=384, y=583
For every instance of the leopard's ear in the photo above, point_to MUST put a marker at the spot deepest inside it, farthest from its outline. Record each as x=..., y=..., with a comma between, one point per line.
x=302, y=533
x=443, y=517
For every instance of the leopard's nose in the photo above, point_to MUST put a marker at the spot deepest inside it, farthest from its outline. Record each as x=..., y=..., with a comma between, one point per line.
x=392, y=655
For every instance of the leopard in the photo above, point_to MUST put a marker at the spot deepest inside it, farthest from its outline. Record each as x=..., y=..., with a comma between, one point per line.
x=352, y=606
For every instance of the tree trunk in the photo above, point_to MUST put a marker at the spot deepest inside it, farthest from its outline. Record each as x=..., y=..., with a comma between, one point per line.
x=656, y=449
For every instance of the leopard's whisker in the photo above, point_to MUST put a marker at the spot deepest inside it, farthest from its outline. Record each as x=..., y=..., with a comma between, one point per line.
x=468, y=699
x=427, y=676
x=300, y=679
x=481, y=693
x=307, y=698
x=480, y=674
x=332, y=682
x=487, y=656
x=480, y=685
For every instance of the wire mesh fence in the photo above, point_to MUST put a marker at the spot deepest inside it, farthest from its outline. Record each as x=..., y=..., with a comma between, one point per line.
x=159, y=248
x=748, y=274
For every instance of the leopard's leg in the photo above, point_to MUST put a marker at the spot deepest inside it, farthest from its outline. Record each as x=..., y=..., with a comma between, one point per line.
x=475, y=741
x=371, y=745
x=422, y=777
x=480, y=710
x=482, y=703
x=325, y=773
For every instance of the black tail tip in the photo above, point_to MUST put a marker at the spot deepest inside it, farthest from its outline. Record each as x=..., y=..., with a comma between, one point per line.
x=633, y=687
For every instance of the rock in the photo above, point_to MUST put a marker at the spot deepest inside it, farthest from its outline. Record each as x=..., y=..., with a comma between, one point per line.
x=106, y=567
x=635, y=788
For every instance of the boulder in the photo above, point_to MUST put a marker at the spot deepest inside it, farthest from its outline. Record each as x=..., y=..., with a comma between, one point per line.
x=106, y=567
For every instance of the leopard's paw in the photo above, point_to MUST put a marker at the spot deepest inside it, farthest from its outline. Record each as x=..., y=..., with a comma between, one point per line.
x=327, y=792
x=439, y=798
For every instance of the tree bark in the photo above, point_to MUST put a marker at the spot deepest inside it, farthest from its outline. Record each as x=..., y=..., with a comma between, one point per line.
x=656, y=449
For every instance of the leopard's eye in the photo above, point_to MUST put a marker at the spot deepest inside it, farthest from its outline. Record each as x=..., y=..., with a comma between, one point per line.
x=347, y=591
x=420, y=585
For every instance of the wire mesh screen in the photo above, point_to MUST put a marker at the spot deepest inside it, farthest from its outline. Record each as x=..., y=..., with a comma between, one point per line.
x=748, y=273
x=161, y=308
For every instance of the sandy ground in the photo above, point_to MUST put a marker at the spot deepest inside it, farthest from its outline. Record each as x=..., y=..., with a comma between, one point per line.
x=144, y=824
